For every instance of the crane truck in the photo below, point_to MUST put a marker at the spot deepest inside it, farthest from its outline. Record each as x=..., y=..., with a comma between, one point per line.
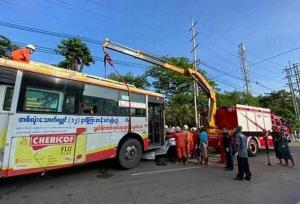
x=216, y=119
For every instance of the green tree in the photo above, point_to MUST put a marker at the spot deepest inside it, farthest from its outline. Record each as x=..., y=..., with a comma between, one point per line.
x=76, y=53
x=237, y=97
x=178, y=90
x=138, y=81
x=6, y=47
x=281, y=104
x=170, y=83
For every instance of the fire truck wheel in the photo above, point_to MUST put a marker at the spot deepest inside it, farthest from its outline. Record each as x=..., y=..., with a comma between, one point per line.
x=252, y=148
x=130, y=153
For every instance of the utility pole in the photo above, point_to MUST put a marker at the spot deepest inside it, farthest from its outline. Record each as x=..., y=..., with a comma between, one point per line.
x=293, y=89
x=244, y=67
x=195, y=87
x=295, y=69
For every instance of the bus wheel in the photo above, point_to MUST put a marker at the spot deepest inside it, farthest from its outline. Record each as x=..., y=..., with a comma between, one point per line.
x=252, y=148
x=130, y=153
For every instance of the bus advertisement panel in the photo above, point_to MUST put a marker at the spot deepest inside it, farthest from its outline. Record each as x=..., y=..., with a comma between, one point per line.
x=43, y=141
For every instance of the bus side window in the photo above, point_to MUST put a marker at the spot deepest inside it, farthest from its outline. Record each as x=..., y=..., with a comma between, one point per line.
x=138, y=108
x=40, y=100
x=90, y=105
x=100, y=100
x=8, y=98
x=41, y=93
x=69, y=103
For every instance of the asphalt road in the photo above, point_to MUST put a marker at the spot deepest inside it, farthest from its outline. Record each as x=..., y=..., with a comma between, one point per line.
x=148, y=183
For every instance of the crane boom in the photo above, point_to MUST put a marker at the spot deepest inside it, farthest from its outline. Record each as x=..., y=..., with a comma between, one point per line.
x=163, y=63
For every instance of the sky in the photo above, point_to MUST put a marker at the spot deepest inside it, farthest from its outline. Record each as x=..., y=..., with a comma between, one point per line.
x=162, y=28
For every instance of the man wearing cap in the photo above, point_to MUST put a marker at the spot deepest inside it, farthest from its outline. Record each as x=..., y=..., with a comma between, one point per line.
x=228, y=150
x=23, y=54
x=242, y=158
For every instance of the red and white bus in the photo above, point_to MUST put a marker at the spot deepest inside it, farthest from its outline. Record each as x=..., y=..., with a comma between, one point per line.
x=54, y=118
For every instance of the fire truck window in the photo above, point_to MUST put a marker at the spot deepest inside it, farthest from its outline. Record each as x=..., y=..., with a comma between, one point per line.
x=8, y=98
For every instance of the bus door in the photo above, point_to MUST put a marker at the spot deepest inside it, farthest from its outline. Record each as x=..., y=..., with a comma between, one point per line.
x=156, y=120
x=7, y=80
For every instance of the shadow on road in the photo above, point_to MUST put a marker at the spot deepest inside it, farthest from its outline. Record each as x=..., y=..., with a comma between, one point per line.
x=101, y=169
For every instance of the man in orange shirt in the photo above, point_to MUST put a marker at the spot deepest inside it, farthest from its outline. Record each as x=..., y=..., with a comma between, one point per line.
x=181, y=140
x=23, y=54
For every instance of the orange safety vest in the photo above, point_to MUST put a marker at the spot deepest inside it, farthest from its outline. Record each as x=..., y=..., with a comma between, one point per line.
x=21, y=55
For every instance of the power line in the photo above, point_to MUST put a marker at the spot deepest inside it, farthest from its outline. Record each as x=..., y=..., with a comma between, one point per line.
x=50, y=33
x=274, y=56
x=52, y=51
x=232, y=76
x=85, y=39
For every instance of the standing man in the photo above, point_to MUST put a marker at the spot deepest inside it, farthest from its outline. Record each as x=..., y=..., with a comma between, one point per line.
x=276, y=136
x=193, y=143
x=242, y=158
x=284, y=149
x=23, y=54
x=203, y=137
x=180, y=139
x=227, y=149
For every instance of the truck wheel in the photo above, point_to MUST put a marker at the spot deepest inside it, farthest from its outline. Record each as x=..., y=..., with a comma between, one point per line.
x=130, y=153
x=252, y=148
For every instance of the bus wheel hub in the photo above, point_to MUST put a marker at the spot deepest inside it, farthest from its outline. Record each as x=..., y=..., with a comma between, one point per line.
x=131, y=152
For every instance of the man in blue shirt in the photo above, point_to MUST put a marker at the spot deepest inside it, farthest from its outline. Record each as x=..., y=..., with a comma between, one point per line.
x=242, y=150
x=203, y=138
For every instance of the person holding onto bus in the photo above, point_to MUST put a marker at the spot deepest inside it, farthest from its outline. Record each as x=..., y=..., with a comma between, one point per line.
x=180, y=139
x=203, y=140
x=23, y=54
x=227, y=149
x=242, y=155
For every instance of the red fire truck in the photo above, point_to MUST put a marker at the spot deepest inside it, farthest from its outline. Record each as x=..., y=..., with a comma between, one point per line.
x=254, y=120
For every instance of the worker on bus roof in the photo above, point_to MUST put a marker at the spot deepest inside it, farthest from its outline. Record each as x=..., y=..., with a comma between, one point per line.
x=23, y=54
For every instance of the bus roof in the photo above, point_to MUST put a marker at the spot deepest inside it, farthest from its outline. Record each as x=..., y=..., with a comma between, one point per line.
x=72, y=75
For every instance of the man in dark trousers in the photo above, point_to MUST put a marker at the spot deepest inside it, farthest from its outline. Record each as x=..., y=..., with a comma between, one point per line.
x=242, y=158
x=276, y=136
x=228, y=150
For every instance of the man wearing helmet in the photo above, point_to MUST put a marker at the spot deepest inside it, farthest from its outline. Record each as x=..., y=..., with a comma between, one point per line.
x=23, y=54
x=180, y=139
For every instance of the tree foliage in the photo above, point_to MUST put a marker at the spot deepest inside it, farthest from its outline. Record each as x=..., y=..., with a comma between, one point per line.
x=138, y=81
x=6, y=47
x=236, y=97
x=170, y=83
x=281, y=104
x=178, y=90
x=76, y=53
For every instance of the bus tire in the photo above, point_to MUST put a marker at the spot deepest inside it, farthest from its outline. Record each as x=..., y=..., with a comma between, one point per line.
x=252, y=148
x=129, y=153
